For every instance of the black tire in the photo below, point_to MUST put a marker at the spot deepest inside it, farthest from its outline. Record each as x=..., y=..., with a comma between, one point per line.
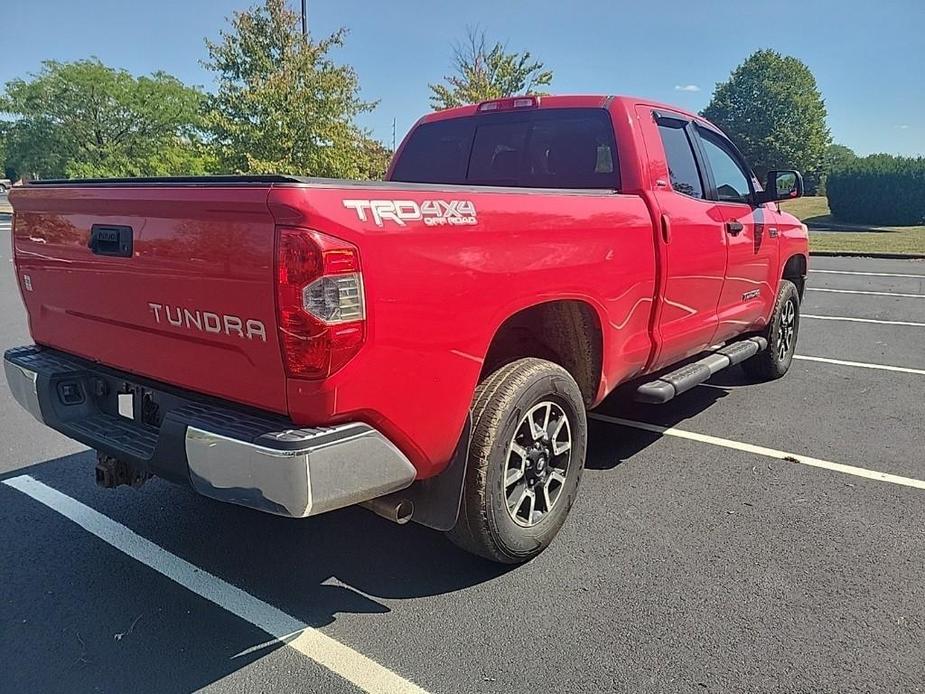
x=502, y=403
x=781, y=334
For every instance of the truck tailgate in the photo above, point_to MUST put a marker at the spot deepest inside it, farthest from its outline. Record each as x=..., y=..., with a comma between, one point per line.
x=170, y=281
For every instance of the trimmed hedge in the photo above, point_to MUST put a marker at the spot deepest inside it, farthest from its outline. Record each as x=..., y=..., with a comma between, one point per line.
x=880, y=189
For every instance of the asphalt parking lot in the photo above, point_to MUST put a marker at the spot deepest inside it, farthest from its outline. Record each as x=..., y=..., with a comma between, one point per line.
x=742, y=538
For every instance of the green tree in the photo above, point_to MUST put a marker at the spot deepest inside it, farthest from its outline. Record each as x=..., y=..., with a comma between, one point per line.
x=87, y=119
x=375, y=158
x=773, y=111
x=838, y=157
x=283, y=105
x=3, y=138
x=483, y=73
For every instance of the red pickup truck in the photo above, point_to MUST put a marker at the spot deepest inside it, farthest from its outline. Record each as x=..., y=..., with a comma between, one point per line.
x=427, y=346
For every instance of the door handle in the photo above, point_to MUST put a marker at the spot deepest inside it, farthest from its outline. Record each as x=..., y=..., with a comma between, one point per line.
x=734, y=228
x=666, y=228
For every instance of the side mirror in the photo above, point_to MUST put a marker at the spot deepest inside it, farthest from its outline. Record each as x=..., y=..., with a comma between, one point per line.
x=782, y=185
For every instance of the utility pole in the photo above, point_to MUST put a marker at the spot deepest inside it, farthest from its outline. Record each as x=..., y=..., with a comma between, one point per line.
x=393, y=135
x=305, y=19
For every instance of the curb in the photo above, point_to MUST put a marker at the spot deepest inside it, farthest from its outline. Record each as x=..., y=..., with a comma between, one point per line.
x=848, y=228
x=869, y=254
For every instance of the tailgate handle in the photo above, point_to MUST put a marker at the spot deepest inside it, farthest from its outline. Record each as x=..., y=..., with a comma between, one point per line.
x=107, y=239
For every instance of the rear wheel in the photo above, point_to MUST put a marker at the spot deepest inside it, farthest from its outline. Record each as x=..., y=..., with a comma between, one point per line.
x=781, y=334
x=525, y=460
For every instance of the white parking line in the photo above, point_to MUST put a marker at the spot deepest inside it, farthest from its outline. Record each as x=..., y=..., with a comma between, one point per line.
x=862, y=364
x=864, y=320
x=761, y=450
x=859, y=291
x=354, y=667
x=867, y=274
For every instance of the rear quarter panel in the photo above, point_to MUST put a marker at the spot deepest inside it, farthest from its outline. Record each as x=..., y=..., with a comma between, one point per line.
x=437, y=295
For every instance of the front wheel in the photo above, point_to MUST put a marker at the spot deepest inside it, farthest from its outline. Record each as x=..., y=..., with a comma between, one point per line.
x=527, y=453
x=781, y=334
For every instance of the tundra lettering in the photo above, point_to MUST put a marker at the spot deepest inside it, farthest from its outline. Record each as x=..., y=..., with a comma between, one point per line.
x=206, y=321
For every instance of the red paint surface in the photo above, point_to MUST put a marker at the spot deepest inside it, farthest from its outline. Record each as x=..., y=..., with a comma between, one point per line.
x=435, y=296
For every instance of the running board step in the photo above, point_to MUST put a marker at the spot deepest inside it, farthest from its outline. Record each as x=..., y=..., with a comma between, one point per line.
x=668, y=385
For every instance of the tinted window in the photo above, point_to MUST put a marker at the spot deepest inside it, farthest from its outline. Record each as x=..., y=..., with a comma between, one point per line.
x=682, y=167
x=555, y=148
x=436, y=153
x=731, y=180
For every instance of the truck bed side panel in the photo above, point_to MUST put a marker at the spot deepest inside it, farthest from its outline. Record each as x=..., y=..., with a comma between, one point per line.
x=436, y=295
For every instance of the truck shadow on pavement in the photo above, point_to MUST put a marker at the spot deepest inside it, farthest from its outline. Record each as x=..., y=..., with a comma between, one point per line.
x=609, y=445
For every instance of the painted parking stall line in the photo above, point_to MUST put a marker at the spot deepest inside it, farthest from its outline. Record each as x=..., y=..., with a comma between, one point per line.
x=356, y=668
x=861, y=364
x=849, y=319
x=867, y=274
x=763, y=451
x=866, y=292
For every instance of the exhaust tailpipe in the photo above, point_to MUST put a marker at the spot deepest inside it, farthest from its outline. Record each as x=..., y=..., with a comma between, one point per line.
x=394, y=508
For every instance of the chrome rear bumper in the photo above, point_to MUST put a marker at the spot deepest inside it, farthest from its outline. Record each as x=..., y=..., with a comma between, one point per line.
x=246, y=458
x=331, y=469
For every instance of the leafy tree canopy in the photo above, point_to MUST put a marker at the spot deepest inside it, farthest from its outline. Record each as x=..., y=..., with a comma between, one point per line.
x=772, y=110
x=838, y=157
x=86, y=119
x=3, y=135
x=484, y=72
x=283, y=105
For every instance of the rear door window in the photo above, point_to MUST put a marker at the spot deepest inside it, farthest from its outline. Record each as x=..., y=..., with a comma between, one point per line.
x=553, y=148
x=682, y=167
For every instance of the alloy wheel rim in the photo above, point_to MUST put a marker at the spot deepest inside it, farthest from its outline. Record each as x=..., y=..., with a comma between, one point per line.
x=537, y=463
x=786, y=330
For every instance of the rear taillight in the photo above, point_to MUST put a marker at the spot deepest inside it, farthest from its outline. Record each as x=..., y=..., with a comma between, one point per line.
x=322, y=309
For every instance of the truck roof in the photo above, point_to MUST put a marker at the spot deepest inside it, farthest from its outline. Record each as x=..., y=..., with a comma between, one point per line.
x=557, y=101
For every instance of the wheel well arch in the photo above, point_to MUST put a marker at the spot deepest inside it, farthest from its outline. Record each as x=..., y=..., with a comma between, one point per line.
x=566, y=332
x=795, y=271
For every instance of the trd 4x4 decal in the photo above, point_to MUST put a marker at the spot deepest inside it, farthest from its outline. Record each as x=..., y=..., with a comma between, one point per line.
x=432, y=212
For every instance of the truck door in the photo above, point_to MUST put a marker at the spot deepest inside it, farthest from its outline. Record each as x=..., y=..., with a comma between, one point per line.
x=751, y=234
x=693, y=238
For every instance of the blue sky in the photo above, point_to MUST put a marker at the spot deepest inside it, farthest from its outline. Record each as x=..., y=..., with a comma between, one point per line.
x=868, y=57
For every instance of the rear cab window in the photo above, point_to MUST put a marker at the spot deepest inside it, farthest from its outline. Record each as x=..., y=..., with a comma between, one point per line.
x=541, y=148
